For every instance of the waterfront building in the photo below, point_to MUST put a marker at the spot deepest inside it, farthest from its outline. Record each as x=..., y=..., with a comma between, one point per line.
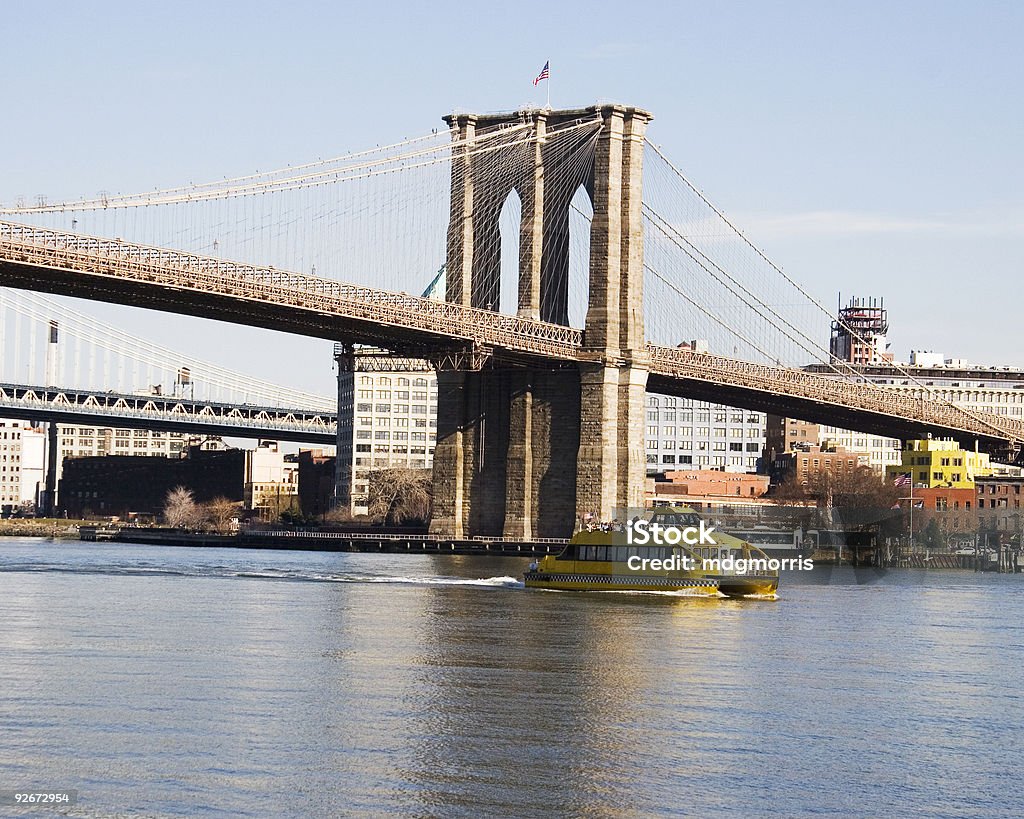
x=316, y=482
x=271, y=480
x=136, y=485
x=999, y=390
x=81, y=441
x=805, y=462
x=387, y=419
x=939, y=462
x=999, y=503
x=684, y=486
x=952, y=508
x=22, y=465
x=683, y=434
x=77, y=441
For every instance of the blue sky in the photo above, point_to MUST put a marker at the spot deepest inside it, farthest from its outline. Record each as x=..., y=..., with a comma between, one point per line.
x=872, y=148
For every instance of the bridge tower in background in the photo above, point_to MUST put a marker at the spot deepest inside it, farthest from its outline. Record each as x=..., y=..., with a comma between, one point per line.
x=521, y=452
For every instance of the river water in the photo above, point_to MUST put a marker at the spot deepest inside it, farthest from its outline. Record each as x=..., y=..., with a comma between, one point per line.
x=205, y=682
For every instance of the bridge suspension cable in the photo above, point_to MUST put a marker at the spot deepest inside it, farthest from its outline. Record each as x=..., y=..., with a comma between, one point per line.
x=376, y=218
x=742, y=271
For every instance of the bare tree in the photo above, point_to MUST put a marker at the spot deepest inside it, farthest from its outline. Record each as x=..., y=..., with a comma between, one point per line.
x=220, y=512
x=792, y=509
x=399, y=495
x=180, y=509
x=855, y=497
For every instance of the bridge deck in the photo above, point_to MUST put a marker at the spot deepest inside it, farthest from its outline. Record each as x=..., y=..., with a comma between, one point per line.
x=116, y=271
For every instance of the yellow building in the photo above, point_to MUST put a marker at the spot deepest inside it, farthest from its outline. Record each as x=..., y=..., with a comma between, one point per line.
x=939, y=462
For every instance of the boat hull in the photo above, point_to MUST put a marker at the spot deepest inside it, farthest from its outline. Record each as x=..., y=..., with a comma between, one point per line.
x=575, y=581
x=741, y=586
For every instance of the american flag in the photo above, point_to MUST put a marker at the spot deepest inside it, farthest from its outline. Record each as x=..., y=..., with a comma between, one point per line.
x=544, y=72
x=903, y=479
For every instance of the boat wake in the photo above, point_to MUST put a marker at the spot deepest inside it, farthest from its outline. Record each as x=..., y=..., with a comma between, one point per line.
x=265, y=573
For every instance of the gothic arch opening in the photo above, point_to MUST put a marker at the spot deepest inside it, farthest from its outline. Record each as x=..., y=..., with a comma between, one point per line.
x=581, y=213
x=565, y=274
x=509, y=220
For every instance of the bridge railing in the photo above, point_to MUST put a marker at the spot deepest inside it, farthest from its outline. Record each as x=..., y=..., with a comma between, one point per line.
x=706, y=367
x=113, y=258
x=116, y=406
x=96, y=256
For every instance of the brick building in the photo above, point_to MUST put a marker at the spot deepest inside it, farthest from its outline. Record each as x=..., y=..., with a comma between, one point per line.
x=707, y=483
x=808, y=461
x=316, y=482
x=953, y=508
x=117, y=485
x=999, y=503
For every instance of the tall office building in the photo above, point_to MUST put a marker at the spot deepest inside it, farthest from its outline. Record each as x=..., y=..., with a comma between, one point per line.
x=22, y=465
x=686, y=434
x=387, y=419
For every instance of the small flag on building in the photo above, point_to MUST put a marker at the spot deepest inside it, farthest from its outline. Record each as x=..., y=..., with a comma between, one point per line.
x=903, y=479
x=545, y=73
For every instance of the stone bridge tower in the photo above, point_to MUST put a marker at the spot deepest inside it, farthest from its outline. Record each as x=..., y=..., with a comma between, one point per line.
x=521, y=452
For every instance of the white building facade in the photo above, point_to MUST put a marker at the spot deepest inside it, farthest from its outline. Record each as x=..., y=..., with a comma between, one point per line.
x=271, y=480
x=387, y=419
x=22, y=465
x=687, y=434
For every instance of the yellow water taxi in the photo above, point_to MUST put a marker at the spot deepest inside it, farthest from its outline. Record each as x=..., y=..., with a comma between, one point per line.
x=666, y=549
x=603, y=561
x=739, y=568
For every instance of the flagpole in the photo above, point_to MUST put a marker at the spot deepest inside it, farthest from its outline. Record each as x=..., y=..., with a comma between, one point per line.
x=911, y=510
x=548, y=63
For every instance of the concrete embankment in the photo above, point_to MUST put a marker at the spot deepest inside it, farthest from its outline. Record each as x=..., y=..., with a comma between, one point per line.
x=39, y=527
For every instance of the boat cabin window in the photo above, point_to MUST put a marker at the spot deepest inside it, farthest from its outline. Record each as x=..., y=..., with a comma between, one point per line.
x=717, y=552
x=680, y=519
x=620, y=554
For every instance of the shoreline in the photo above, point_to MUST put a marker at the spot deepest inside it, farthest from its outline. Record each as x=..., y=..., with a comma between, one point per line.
x=383, y=543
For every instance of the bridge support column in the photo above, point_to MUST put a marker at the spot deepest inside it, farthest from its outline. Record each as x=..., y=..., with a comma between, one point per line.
x=470, y=453
x=519, y=506
x=505, y=456
x=612, y=461
x=520, y=453
x=447, y=515
x=613, y=372
x=544, y=437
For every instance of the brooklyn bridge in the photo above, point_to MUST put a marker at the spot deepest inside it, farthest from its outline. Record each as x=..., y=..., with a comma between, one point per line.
x=577, y=258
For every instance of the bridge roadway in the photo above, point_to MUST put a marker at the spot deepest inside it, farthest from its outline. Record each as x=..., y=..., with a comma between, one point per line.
x=166, y=413
x=111, y=270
